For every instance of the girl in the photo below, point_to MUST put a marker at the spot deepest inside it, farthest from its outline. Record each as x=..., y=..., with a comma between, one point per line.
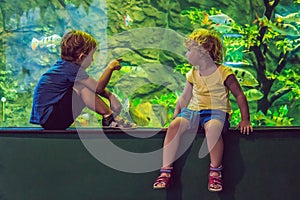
x=205, y=97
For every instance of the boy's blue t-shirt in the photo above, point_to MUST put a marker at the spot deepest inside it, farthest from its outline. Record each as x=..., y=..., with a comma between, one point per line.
x=52, y=86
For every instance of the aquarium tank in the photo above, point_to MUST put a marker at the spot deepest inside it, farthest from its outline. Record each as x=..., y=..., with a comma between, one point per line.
x=261, y=37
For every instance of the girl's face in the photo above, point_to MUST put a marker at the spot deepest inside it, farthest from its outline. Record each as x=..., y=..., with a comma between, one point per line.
x=86, y=62
x=194, y=54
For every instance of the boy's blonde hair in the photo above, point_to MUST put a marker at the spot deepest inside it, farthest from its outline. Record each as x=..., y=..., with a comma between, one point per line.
x=76, y=44
x=209, y=40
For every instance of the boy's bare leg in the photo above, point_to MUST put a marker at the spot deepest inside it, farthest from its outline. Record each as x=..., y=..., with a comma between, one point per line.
x=92, y=100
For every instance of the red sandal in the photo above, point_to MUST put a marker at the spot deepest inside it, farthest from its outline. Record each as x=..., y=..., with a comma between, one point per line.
x=215, y=183
x=163, y=182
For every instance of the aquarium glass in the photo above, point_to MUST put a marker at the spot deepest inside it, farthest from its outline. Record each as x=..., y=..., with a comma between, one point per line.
x=261, y=38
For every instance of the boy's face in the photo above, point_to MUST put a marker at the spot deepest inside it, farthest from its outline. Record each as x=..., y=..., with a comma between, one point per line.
x=86, y=62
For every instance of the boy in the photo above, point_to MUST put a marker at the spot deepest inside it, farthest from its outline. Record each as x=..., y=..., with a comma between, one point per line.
x=65, y=89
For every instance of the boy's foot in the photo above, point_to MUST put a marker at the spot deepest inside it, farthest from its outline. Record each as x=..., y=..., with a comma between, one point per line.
x=117, y=122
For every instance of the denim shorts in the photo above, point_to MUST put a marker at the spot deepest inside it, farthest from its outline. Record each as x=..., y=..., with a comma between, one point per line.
x=199, y=118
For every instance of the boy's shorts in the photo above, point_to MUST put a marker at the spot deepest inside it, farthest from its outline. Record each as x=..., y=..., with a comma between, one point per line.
x=64, y=112
x=199, y=118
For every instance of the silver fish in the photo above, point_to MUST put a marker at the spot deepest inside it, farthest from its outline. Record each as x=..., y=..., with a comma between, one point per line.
x=48, y=41
x=221, y=19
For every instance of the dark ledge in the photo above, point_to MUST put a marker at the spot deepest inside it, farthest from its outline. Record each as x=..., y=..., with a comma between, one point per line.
x=37, y=130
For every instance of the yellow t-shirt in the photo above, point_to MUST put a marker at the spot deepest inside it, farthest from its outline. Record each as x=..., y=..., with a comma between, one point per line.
x=209, y=92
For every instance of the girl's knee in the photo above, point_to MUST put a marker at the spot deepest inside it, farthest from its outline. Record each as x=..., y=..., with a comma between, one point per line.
x=178, y=125
x=214, y=124
x=213, y=127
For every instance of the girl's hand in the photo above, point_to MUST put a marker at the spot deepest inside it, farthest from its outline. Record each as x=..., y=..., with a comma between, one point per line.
x=245, y=127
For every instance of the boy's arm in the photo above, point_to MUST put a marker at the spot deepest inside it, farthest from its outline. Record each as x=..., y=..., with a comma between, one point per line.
x=184, y=98
x=105, y=77
x=100, y=85
x=234, y=86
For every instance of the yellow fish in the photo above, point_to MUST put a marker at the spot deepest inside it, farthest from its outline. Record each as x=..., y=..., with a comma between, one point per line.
x=290, y=18
x=253, y=95
x=82, y=120
x=139, y=118
x=50, y=41
x=134, y=114
x=244, y=77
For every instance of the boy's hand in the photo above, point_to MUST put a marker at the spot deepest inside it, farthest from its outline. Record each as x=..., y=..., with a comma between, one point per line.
x=245, y=127
x=115, y=64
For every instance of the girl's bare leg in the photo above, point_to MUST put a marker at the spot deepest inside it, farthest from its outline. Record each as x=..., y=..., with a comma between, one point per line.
x=213, y=130
x=171, y=143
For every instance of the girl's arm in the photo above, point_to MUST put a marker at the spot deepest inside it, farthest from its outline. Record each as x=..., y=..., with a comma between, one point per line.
x=234, y=86
x=184, y=98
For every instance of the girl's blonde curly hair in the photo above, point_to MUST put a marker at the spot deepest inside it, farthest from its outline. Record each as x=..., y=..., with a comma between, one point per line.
x=210, y=40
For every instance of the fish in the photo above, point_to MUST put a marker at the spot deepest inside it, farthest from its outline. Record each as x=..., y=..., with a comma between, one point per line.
x=245, y=78
x=128, y=69
x=49, y=41
x=253, y=94
x=134, y=114
x=132, y=70
x=82, y=119
x=127, y=20
x=281, y=28
x=139, y=118
x=271, y=3
x=221, y=19
x=23, y=19
x=290, y=18
x=205, y=20
x=233, y=35
x=222, y=28
x=237, y=64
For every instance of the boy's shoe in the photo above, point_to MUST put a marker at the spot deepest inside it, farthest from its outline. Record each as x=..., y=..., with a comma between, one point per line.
x=117, y=122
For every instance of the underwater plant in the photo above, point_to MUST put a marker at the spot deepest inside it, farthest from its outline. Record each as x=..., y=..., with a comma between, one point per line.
x=168, y=101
